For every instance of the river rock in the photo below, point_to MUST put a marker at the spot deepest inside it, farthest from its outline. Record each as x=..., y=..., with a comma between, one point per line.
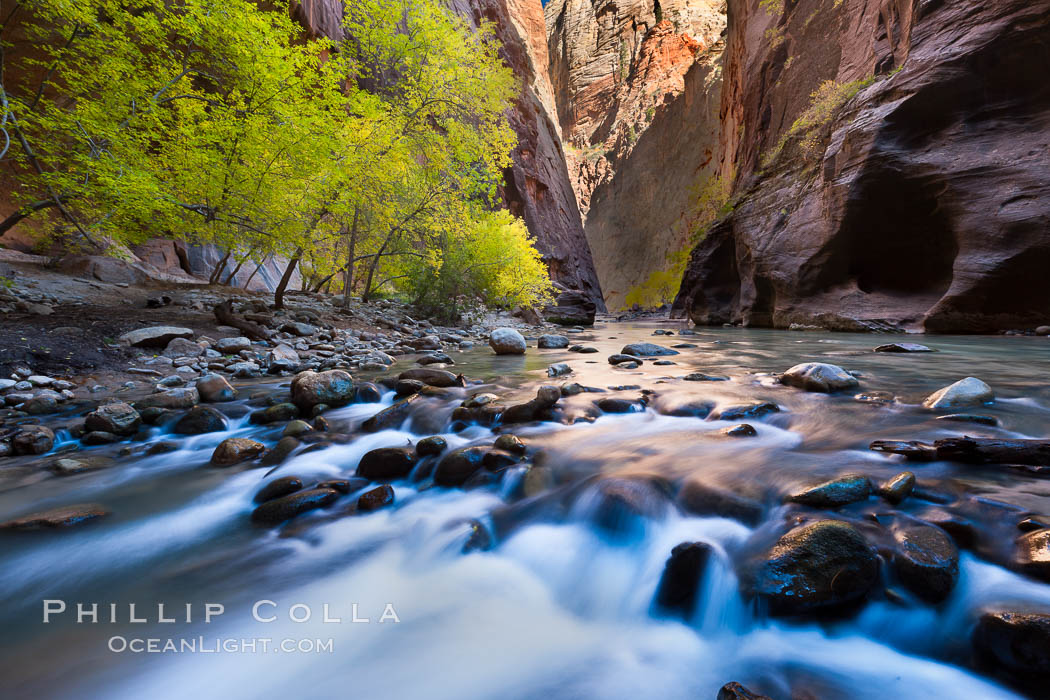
x=621, y=359
x=278, y=413
x=1018, y=641
x=387, y=463
x=507, y=341
x=749, y=412
x=235, y=450
x=559, y=370
x=282, y=358
x=437, y=358
x=33, y=440
x=431, y=446
x=846, y=489
x=296, y=428
x=367, y=392
x=510, y=443
x=965, y=392
x=427, y=342
x=287, y=507
x=818, y=567
x=620, y=506
x=392, y=416
x=333, y=387
x=552, y=342
x=430, y=376
x=647, y=350
x=99, y=437
x=63, y=517
x=41, y=404
x=898, y=488
x=199, y=420
x=281, y=451
x=735, y=691
x=155, y=337
x=214, y=388
x=459, y=465
x=926, y=561
x=1033, y=554
x=377, y=498
x=299, y=328
x=496, y=460
x=970, y=418
x=278, y=488
x=186, y=397
x=820, y=377
x=546, y=398
x=66, y=466
x=700, y=498
x=614, y=404
x=344, y=486
x=902, y=347
x=118, y=418
x=740, y=431
x=680, y=582
x=232, y=346
x=181, y=347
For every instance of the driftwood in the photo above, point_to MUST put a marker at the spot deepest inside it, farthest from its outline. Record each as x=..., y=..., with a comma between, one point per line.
x=1025, y=454
x=224, y=314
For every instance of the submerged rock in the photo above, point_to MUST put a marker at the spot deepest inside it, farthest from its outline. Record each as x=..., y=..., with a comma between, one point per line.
x=647, y=350
x=816, y=568
x=700, y=498
x=507, y=341
x=63, y=517
x=440, y=378
x=965, y=392
x=680, y=581
x=287, y=507
x=735, y=691
x=622, y=505
x=820, y=377
x=926, y=561
x=199, y=420
x=902, y=347
x=750, y=412
x=898, y=488
x=618, y=405
x=846, y=489
x=392, y=416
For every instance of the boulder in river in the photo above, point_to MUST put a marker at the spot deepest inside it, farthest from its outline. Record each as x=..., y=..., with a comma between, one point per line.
x=1033, y=554
x=186, y=397
x=553, y=342
x=430, y=376
x=902, y=348
x=118, y=418
x=647, y=350
x=898, y=488
x=213, y=388
x=431, y=446
x=333, y=387
x=680, y=582
x=820, y=377
x=963, y=393
x=459, y=465
x=235, y=450
x=62, y=517
x=621, y=505
x=33, y=440
x=735, y=691
x=377, y=498
x=612, y=404
x=278, y=413
x=843, y=490
x=547, y=397
x=559, y=369
x=278, y=488
x=1016, y=641
x=701, y=498
x=926, y=561
x=392, y=416
x=199, y=420
x=821, y=567
x=507, y=341
x=510, y=443
x=387, y=463
x=155, y=336
x=748, y=412
x=287, y=507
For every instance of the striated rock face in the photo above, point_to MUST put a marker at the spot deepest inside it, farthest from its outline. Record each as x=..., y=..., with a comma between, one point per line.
x=637, y=89
x=910, y=192
x=537, y=187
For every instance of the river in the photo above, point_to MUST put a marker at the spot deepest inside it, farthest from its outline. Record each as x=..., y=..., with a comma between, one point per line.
x=516, y=590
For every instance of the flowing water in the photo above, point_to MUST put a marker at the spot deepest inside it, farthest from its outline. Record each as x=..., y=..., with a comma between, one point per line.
x=556, y=606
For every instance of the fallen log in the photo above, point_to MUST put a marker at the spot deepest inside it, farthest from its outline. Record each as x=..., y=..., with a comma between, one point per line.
x=225, y=316
x=1032, y=453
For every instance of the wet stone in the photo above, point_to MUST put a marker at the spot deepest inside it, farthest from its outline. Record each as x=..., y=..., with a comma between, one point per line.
x=844, y=490
x=377, y=498
x=278, y=488
x=387, y=463
x=926, y=561
x=285, y=508
x=898, y=488
x=741, y=431
x=680, y=582
x=431, y=446
x=56, y=518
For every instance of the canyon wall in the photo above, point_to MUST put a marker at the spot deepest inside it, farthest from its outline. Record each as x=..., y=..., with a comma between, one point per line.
x=636, y=86
x=890, y=167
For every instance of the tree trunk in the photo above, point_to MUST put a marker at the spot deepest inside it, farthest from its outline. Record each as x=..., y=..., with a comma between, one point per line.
x=216, y=274
x=971, y=450
x=366, y=297
x=224, y=314
x=24, y=213
x=348, y=277
x=278, y=294
x=255, y=272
